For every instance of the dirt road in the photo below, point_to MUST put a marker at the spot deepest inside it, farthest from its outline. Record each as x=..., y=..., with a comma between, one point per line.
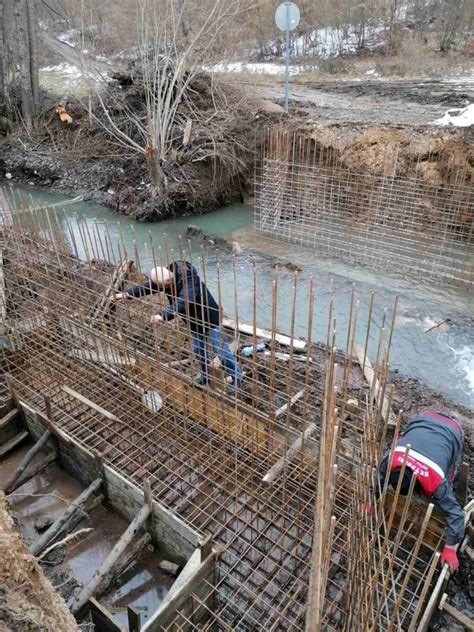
x=373, y=101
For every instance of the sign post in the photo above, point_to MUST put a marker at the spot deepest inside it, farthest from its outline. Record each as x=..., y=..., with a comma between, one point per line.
x=287, y=18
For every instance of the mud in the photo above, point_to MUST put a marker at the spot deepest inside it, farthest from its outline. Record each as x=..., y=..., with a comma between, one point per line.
x=394, y=102
x=142, y=585
x=28, y=602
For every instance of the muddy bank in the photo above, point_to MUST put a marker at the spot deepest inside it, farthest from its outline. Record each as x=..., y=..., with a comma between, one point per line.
x=28, y=601
x=208, y=164
x=211, y=162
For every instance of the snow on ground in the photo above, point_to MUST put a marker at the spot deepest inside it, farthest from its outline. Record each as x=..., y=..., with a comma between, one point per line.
x=258, y=68
x=64, y=69
x=457, y=118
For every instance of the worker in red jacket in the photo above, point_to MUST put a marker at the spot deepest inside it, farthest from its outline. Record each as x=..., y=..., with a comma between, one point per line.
x=434, y=456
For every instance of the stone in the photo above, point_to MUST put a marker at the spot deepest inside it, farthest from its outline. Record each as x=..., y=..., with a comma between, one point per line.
x=169, y=567
x=8, y=176
x=237, y=248
x=42, y=523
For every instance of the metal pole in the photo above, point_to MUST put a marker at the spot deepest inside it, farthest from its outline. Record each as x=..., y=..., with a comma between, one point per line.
x=287, y=58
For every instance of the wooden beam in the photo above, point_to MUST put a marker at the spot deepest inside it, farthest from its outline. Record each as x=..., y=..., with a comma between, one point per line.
x=34, y=471
x=167, y=610
x=26, y=460
x=90, y=403
x=289, y=455
x=265, y=334
x=374, y=384
x=58, y=524
x=101, y=618
x=456, y=614
x=282, y=410
x=12, y=443
x=112, y=558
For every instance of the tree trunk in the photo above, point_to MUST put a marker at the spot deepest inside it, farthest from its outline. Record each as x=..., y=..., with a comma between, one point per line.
x=155, y=169
x=32, y=19
x=3, y=82
x=24, y=61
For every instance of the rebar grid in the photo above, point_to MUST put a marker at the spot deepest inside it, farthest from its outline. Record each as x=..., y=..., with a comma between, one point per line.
x=388, y=220
x=287, y=562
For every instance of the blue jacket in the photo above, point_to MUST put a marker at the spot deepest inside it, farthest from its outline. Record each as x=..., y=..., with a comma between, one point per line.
x=187, y=297
x=440, y=439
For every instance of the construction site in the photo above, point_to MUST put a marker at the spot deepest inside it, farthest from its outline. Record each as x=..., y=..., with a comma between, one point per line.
x=257, y=493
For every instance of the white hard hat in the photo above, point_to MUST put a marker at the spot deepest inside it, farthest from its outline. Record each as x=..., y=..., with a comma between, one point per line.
x=160, y=275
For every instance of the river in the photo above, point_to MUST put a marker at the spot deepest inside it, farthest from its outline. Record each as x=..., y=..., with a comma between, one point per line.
x=442, y=358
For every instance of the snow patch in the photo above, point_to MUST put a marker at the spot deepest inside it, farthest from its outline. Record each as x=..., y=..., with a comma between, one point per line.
x=457, y=117
x=258, y=68
x=64, y=69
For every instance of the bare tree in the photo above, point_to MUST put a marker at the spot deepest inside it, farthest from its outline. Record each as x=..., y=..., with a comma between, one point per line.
x=27, y=103
x=171, y=56
x=32, y=20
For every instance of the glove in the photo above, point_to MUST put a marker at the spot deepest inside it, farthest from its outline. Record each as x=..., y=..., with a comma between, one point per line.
x=367, y=507
x=449, y=556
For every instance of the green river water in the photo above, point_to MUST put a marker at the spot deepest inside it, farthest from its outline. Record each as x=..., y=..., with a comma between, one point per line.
x=442, y=358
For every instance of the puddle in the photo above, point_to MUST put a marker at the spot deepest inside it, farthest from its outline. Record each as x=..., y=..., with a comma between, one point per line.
x=142, y=585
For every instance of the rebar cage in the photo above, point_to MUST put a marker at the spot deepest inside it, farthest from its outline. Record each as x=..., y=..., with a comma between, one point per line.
x=384, y=219
x=279, y=472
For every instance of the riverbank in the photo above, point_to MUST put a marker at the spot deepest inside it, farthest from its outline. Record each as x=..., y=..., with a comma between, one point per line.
x=212, y=158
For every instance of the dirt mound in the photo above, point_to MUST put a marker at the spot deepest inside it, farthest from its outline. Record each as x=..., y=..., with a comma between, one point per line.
x=28, y=602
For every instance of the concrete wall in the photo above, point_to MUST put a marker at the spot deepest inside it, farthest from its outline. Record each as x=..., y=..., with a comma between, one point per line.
x=175, y=538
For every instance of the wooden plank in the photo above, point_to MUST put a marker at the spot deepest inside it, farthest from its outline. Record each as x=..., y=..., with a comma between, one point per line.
x=282, y=410
x=90, y=404
x=166, y=612
x=111, y=559
x=134, y=619
x=265, y=334
x=374, y=384
x=456, y=614
x=290, y=454
x=102, y=619
x=12, y=443
x=10, y=416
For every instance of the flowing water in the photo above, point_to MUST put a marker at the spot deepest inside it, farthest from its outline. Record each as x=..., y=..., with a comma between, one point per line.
x=442, y=358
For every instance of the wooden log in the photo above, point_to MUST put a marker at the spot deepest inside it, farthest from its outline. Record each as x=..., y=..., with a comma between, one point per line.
x=130, y=556
x=26, y=460
x=111, y=560
x=34, y=471
x=282, y=410
x=58, y=524
x=456, y=614
x=286, y=341
x=374, y=384
x=290, y=454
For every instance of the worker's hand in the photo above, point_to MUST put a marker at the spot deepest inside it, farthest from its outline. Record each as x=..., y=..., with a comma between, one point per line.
x=155, y=319
x=120, y=296
x=449, y=556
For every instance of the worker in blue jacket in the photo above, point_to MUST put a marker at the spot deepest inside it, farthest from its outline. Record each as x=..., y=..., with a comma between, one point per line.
x=189, y=298
x=434, y=456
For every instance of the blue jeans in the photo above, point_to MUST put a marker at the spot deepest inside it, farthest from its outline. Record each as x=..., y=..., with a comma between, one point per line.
x=221, y=348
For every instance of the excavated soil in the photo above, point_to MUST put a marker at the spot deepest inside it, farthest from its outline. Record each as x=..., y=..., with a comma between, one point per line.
x=28, y=602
